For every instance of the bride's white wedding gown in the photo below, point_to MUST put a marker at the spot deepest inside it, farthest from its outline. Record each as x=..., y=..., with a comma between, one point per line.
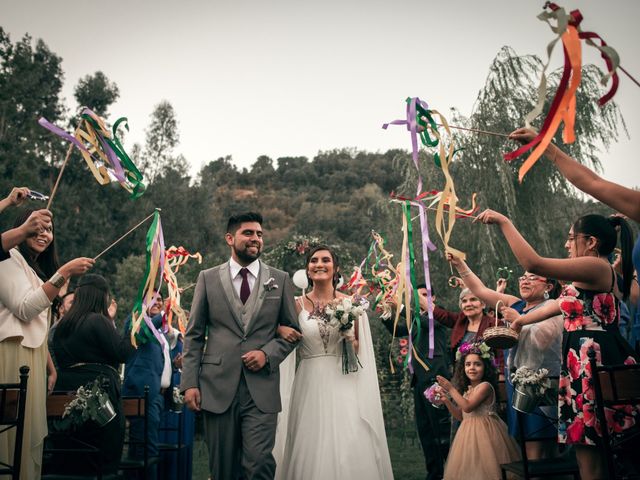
x=333, y=421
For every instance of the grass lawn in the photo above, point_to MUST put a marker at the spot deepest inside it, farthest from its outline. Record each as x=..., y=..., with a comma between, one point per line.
x=406, y=458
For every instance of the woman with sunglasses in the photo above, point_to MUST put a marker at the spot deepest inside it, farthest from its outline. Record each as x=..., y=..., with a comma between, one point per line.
x=622, y=199
x=589, y=308
x=539, y=346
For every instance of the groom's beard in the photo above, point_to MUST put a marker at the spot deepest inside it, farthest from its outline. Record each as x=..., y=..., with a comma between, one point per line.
x=244, y=254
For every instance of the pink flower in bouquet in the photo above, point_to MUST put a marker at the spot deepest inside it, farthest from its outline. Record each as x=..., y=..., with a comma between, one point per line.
x=404, y=342
x=404, y=351
x=434, y=394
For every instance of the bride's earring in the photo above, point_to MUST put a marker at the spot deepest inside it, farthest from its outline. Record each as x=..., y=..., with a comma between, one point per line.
x=546, y=295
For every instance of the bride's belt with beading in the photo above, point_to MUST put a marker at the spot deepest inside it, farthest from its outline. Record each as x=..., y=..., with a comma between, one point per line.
x=306, y=357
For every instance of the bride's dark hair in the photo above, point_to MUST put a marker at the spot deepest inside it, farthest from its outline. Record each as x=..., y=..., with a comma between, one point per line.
x=334, y=257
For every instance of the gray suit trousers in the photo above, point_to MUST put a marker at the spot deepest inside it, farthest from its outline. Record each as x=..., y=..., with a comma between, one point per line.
x=241, y=440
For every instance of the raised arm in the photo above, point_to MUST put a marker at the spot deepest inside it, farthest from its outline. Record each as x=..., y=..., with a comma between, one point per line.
x=478, y=288
x=549, y=309
x=38, y=220
x=622, y=199
x=590, y=271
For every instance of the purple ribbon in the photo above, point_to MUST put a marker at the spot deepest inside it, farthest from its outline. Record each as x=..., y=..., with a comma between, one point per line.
x=412, y=125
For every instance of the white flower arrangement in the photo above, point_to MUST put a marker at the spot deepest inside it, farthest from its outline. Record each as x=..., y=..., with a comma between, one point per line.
x=537, y=380
x=91, y=403
x=342, y=312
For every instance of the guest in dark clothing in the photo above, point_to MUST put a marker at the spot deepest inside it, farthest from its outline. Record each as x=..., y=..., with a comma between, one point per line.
x=176, y=465
x=433, y=423
x=145, y=368
x=87, y=346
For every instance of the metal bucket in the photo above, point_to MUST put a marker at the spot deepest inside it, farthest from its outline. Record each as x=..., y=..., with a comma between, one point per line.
x=524, y=400
x=105, y=412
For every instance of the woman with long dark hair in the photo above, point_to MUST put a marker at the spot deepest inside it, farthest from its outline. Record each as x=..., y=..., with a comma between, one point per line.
x=29, y=280
x=87, y=347
x=335, y=425
x=589, y=307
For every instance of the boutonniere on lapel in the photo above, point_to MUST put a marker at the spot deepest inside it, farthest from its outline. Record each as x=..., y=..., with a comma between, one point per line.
x=268, y=286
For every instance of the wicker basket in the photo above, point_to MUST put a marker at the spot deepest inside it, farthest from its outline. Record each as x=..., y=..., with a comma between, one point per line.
x=499, y=336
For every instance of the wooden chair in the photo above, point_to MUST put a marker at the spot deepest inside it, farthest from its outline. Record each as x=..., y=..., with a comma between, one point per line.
x=616, y=385
x=547, y=467
x=60, y=446
x=13, y=398
x=136, y=408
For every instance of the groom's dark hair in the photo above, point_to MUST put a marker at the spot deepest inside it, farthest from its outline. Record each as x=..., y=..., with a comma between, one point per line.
x=236, y=220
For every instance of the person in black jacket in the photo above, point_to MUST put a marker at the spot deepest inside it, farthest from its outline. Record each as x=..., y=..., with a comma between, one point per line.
x=88, y=347
x=433, y=424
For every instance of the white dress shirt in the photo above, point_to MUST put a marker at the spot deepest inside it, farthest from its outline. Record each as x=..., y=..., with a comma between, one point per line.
x=236, y=278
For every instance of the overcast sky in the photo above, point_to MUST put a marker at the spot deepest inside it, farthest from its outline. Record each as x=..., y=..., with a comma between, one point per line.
x=292, y=77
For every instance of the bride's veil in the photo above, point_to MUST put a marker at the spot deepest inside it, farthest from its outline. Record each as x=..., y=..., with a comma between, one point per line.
x=368, y=400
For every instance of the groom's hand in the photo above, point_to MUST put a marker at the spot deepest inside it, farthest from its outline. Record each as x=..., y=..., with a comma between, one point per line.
x=254, y=360
x=192, y=399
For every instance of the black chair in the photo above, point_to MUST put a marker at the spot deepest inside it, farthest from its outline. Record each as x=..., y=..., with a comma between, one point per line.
x=178, y=447
x=616, y=385
x=61, y=448
x=135, y=408
x=13, y=398
x=546, y=467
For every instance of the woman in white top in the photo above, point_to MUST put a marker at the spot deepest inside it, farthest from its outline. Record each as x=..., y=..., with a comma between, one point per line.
x=29, y=280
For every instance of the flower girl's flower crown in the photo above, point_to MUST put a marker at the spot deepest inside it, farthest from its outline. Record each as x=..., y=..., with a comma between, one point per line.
x=479, y=348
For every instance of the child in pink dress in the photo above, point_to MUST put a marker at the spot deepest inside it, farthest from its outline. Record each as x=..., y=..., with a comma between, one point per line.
x=482, y=442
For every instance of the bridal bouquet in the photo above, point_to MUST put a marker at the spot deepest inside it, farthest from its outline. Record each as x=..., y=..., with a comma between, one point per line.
x=342, y=313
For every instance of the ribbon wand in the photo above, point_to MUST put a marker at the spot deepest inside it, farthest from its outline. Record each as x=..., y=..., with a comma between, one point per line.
x=123, y=236
x=64, y=164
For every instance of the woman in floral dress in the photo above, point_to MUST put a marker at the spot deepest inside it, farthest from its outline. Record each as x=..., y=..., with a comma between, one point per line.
x=589, y=307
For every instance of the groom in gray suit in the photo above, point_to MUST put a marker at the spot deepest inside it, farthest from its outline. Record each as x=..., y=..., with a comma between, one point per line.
x=232, y=354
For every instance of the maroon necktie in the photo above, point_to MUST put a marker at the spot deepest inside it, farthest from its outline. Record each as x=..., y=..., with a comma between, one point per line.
x=245, y=291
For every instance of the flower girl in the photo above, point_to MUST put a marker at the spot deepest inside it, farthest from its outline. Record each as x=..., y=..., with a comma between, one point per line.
x=482, y=442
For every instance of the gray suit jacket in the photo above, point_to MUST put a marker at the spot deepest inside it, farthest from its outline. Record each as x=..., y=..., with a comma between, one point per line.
x=231, y=329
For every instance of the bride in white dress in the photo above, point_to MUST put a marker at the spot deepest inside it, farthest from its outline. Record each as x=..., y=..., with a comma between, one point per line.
x=333, y=421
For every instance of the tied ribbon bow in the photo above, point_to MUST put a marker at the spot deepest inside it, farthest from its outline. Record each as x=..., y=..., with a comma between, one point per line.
x=563, y=106
x=102, y=150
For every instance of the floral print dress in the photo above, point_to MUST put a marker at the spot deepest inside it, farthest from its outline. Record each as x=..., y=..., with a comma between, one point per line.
x=590, y=322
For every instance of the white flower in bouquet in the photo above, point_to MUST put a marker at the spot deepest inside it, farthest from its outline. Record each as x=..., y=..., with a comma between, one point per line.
x=342, y=312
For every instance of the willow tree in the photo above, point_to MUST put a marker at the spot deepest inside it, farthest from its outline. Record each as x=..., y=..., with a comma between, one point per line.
x=543, y=206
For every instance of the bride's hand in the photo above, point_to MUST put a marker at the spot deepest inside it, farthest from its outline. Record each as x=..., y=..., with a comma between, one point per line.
x=291, y=335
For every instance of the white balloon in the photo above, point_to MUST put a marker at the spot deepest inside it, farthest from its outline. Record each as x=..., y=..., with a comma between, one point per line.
x=300, y=279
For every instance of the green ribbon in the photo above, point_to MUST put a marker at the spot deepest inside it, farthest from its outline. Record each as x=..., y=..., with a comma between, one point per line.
x=415, y=318
x=131, y=171
x=144, y=334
